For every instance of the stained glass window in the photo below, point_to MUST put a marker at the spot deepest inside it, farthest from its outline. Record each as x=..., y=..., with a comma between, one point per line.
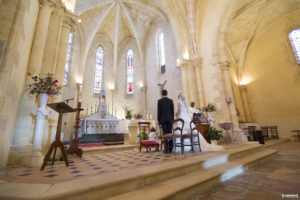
x=130, y=71
x=98, y=70
x=68, y=60
x=160, y=48
x=295, y=40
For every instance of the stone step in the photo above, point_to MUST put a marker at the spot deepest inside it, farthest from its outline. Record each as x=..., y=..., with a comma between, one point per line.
x=188, y=185
x=103, y=137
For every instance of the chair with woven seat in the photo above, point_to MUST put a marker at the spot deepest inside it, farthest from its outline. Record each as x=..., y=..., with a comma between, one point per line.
x=178, y=134
x=144, y=130
x=163, y=137
x=274, y=132
x=265, y=132
x=194, y=134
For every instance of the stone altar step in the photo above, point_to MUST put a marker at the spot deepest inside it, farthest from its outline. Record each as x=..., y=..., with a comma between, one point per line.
x=101, y=137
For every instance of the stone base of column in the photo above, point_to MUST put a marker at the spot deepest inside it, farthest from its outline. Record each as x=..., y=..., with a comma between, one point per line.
x=18, y=154
x=35, y=159
x=239, y=136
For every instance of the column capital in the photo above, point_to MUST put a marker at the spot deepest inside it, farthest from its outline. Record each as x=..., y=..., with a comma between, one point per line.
x=225, y=65
x=69, y=20
x=197, y=62
x=183, y=63
x=52, y=3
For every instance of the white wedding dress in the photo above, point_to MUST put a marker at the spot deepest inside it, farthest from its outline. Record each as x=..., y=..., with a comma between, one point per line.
x=183, y=113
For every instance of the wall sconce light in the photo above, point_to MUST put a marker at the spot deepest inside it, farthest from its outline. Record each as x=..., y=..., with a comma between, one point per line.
x=111, y=86
x=78, y=80
x=79, y=20
x=141, y=85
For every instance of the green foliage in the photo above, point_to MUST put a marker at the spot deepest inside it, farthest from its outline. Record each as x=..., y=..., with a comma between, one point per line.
x=214, y=134
x=128, y=111
x=210, y=107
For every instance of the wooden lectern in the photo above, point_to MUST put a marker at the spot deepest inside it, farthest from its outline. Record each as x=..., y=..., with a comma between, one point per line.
x=61, y=108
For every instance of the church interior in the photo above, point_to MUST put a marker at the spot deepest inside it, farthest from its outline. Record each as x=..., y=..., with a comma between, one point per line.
x=91, y=73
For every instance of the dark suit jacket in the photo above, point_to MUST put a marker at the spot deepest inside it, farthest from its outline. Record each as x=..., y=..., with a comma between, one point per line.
x=165, y=110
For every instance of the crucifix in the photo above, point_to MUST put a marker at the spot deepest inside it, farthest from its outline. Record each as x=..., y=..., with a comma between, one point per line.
x=162, y=85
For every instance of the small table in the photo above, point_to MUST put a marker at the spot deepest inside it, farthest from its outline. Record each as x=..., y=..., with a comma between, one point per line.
x=298, y=133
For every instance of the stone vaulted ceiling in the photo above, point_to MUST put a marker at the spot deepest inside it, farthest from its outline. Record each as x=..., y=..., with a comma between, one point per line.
x=118, y=20
x=250, y=19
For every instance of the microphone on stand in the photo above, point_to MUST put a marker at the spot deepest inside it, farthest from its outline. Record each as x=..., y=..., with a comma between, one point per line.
x=67, y=100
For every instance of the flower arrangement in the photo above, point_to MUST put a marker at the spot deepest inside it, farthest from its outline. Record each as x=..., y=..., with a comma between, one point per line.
x=47, y=85
x=214, y=134
x=128, y=111
x=138, y=116
x=209, y=108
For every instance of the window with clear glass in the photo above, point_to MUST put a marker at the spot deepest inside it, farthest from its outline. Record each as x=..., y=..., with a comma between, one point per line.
x=295, y=40
x=98, y=70
x=130, y=71
x=160, y=48
x=68, y=60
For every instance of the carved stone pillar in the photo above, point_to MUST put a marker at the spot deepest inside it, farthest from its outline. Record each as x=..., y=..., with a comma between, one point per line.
x=69, y=22
x=39, y=41
x=243, y=91
x=184, y=73
x=53, y=41
x=199, y=80
x=192, y=83
x=237, y=133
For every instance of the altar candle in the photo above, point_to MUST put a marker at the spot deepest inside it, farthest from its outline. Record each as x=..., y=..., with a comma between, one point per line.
x=150, y=117
x=147, y=117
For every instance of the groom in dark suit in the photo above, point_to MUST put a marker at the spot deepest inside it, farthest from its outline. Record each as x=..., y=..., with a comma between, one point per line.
x=165, y=116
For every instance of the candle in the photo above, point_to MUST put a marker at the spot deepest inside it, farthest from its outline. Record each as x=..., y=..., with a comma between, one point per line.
x=150, y=117
x=147, y=117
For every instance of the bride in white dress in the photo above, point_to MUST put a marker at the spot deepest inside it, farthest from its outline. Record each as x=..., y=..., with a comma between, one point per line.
x=184, y=113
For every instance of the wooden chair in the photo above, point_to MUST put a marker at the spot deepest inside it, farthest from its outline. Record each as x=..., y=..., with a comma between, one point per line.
x=265, y=132
x=194, y=134
x=274, y=132
x=177, y=134
x=144, y=130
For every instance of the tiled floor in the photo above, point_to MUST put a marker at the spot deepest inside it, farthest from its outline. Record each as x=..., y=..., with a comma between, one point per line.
x=268, y=180
x=91, y=165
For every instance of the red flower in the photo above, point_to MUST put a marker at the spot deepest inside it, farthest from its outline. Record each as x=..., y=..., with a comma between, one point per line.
x=28, y=73
x=49, y=77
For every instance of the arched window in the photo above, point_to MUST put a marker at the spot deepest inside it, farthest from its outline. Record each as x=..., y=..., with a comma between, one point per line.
x=68, y=60
x=98, y=70
x=295, y=40
x=160, y=45
x=129, y=71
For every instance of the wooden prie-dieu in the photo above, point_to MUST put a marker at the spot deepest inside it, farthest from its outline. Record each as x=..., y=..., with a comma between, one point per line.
x=61, y=108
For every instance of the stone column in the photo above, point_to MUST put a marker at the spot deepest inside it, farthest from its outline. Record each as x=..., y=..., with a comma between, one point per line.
x=53, y=41
x=184, y=73
x=237, y=132
x=69, y=22
x=192, y=83
x=39, y=41
x=243, y=91
x=199, y=80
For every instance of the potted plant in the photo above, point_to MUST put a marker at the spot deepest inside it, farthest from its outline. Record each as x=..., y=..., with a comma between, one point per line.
x=43, y=86
x=128, y=111
x=214, y=135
